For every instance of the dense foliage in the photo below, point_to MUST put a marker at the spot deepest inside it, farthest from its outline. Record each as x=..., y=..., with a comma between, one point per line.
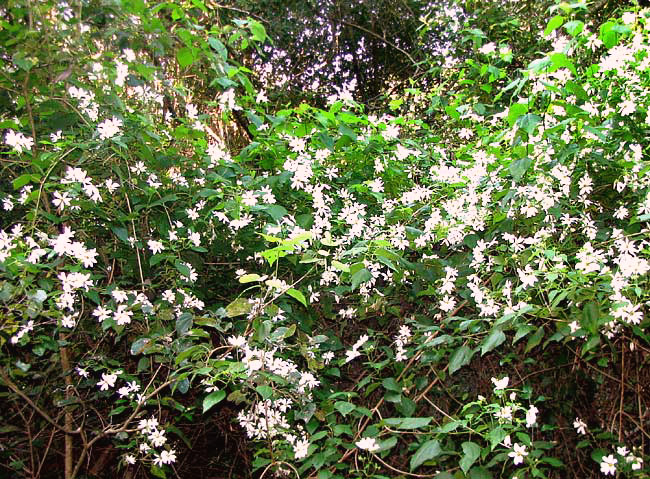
x=197, y=281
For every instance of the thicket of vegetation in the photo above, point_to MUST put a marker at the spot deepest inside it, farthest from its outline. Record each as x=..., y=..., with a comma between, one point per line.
x=230, y=250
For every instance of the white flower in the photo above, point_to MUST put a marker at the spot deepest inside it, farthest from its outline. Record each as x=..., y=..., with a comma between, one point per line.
x=500, y=383
x=61, y=200
x=18, y=141
x=518, y=453
x=608, y=465
x=531, y=416
x=108, y=381
x=68, y=321
x=301, y=449
x=580, y=426
x=109, y=128
x=237, y=341
x=488, y=48
x=157, y=438
x=367, y=444
x=129, y=459
x=155, y=246
x=168, y=457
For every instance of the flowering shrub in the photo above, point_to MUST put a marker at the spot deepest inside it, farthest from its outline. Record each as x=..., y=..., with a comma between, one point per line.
x=358, y=294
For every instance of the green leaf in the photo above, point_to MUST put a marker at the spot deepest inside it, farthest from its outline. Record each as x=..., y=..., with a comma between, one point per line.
x=249, y=278
x=238, y=307
x=515, y=111
x=553, y=24
x=121, y=233
x=265, y=391
x=386, y=444
x=139, y=346
x=294, y=293
x=258, y=31
x=21, y=181
x=495, y=436
x=344, y=407
x=219, y=47
x=212, y=399
x=184, y=323
x=519, y=167
x=471, y=451
x=185, y=57
x=535, y=339
x=277, y=212
x=359, y=277
x=408, y=422
x=391, y=385
x=158, y=472
x=479, y=472
x=425, y=452
x=574, y=27
x=528, y=122
x=495, y=338
x=461, y=357
x=182, y=268
x=346, y=268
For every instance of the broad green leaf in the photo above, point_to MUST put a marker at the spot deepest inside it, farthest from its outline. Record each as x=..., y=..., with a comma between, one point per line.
x=265, y=391
x=391, y=385
x=340, y=266
x=461, y=357
x=258, y=31
x=471, y=452
x=515, y=111
x=184, y=323
x=553, y=24
x=249, y=278
x=294, y=293
x=359, y=277
x=139, y=346
x=212, y=399
x=425, y=452
x=185, y=57
x=574, y=27
x=182, y=268
x=495, y=339
x=519, y=167
x=344, y=407
x=238, y=307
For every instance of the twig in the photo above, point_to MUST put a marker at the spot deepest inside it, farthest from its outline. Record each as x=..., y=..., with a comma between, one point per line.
x=14, y=388
x=376, y=35
x=410, y=474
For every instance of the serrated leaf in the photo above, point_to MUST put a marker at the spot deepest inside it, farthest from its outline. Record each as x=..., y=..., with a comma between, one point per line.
x=425, y=452
x=212, y=399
